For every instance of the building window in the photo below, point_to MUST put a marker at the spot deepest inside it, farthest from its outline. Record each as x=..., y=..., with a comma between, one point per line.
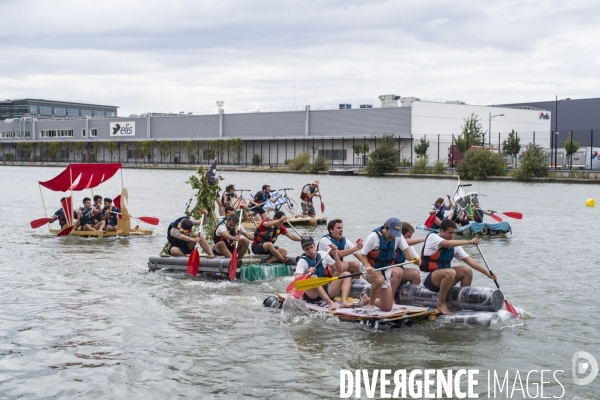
x=134, y=154
x=93, y=132
x=60, y=112
x=6, y=134
x=112, y=114
x=47, y=134
x=55, y=133
x=73, y=112
x=33, y=110
x=44, y=110
x=27, y=134
x=83, y=132
x=86, y=113
x=333, y=154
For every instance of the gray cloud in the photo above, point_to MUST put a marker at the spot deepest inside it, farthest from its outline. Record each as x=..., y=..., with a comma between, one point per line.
x=185, y=55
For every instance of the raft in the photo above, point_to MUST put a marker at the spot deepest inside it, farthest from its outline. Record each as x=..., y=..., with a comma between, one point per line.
x=341, y=172
x=399, y=317
x=250, y=226
x=469, y=305
x=252, y=269
x=103, y=234
x=477, y=228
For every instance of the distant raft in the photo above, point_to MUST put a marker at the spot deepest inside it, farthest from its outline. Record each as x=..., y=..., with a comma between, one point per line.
x=477, y=228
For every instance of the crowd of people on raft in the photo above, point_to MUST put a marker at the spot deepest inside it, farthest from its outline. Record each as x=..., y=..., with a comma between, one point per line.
x=453, y=211
x=382, y=259
x=101, y=215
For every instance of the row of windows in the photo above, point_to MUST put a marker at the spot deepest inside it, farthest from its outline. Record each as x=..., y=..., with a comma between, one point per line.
x=57, y=133
x=332, y=154
x=26, y=134
x=93, y=132
x=71, y=112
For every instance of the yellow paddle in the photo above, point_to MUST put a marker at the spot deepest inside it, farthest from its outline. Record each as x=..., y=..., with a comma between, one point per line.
x=316, y=282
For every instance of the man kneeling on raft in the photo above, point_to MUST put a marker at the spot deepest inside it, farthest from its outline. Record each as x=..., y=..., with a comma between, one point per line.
x=180, y=235
x=226, y=234
x=321, y=265
x=379, y=250
x=437, y=254
x=266, y=235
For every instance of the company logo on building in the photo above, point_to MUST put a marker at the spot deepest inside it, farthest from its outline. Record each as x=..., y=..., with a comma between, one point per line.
x=544, y=116
x=122, y=128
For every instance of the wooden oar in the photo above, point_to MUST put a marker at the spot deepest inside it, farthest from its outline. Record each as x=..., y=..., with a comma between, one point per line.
x=291, y=290
x=510, y=214
x=509, y=306
x=234, y=257
x=194, y=260
x=316, y=282
x=36, y=223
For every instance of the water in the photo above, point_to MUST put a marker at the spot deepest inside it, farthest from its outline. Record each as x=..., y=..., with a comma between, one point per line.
x=83, y=318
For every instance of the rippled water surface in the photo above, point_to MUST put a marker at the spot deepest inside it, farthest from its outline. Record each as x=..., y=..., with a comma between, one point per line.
x=83, y=318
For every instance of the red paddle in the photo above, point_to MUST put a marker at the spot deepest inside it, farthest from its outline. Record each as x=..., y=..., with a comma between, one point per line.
x=510, y=214
x=322, y=204
x=234, y=257
x=36, y=223
x=66, y=231
x=497, y=218
x=509, y=306
x=429, y=222
x=194, y=261
x=149, y=220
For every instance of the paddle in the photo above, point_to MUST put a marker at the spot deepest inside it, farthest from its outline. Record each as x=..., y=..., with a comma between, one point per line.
x=322, y=204
x=66, y=231
x=194, y=259
x=510, y=214
x=509, y=306
x=494, y=216
x=36, y=223
x=429, y=222
x=316, y=282
x=292, y=226
x=298, y=293
x=234, y=257
x=148, y=220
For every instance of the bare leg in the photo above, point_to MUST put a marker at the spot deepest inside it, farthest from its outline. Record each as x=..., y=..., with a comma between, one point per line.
x=175, y=251
x=444, y=279
x=243, y=247
x=344, y=285
x=221, y=247
x=276, y=254
x=376, y=280
x=411, y=275
x=205, y=246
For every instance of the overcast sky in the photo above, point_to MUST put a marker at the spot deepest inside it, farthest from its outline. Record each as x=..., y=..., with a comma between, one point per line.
x=171, y=56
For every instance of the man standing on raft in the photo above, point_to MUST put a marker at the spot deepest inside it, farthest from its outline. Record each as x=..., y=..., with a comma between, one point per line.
x=379, y=250
x=309, y=191
x=437, y=254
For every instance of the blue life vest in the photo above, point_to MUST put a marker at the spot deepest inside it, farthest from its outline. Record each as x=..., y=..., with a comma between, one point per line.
x=386, y=253
x=112, y=219
x=86, y=216
x=229, y=243
x=60, y=214
x=478, y=215
x=263, y=197
x=438, y=260
x=182, y=244
x=320, y=270
x=341, y=245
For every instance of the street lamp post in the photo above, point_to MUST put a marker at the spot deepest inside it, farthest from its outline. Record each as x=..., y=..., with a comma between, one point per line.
x=490, y=128
x=556, y=129
x=556, y=151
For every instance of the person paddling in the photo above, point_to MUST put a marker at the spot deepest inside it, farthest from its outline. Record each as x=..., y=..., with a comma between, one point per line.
x=321, y=265
x=409, y=275
x=440, y=209
x=436, y=271
x=379, y=250
x=307, y=193
x=226, y=234
x=85, y=215
x=180, y=235
x=266, y=235
x=60, y=216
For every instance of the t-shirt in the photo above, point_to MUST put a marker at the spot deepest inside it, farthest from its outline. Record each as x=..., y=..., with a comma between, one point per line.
x=325, y=242
x=302, y=265
x=432, y=244
x=223, y=228
x=175, y=232
x=261, y=198
x=372, y=243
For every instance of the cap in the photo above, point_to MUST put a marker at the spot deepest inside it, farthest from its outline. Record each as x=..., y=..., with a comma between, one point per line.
x=186, y=224
x=315, y=182
x=395, y=226
x=306, y=240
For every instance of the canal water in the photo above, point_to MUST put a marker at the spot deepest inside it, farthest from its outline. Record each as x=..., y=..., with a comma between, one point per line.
x=83, y=318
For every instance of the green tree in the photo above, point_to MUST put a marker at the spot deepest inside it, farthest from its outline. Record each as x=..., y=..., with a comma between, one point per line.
x=235, y=148
x=478, y=164
x=571, y=146
x=472, y=134
x=53, y=150
x=111, y=147
x=191, y=147
x=165, y=148
x=512, y=145
x=383, y=159
x=148, y=149
x=26, y=147
x=314, y=149
x=300, y=162
x=533, y=163
x=421, y=147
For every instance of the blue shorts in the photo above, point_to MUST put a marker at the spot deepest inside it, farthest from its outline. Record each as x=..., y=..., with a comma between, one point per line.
x=429, y=284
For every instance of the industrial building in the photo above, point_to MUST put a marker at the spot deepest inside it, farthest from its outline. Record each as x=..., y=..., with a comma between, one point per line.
x=52, y=109
x=270, y=137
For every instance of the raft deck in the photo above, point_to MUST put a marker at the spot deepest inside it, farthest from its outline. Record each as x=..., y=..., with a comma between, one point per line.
x=103, y=234
x=250, y=226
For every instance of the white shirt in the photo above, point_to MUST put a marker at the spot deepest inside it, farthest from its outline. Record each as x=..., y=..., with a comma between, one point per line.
x=223, y=228
x=372, y=243
x=307, y=191
x=302, y=265
x=432, y=244
x=325, y=242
